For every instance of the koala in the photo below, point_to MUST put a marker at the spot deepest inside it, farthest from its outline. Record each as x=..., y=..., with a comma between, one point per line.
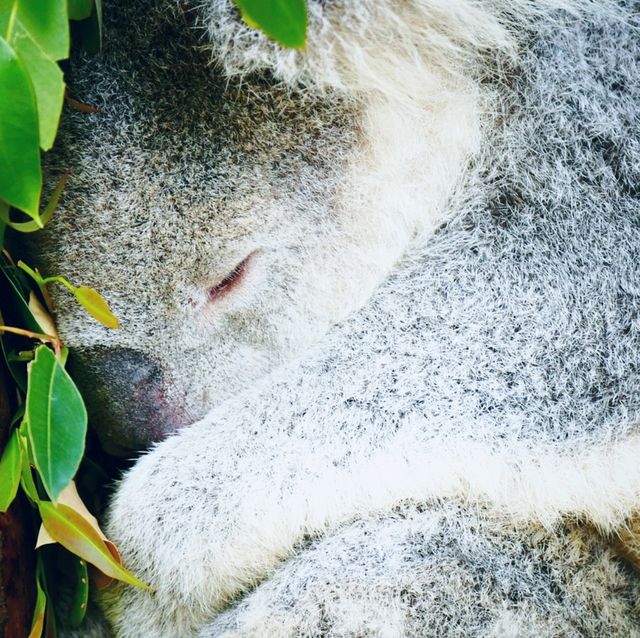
x=379, y=304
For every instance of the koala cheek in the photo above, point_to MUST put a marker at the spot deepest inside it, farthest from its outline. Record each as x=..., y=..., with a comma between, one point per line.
x=125, y=392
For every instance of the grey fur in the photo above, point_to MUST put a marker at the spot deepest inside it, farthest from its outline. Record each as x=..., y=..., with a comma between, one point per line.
x=412, y=472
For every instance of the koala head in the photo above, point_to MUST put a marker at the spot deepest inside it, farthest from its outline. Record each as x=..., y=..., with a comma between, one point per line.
x=233, y=200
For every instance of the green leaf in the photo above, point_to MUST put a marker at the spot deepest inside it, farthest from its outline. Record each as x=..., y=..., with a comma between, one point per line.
x=95, y=304
x=79, y=9
x=39, y=33
x=48, y=83
x=80, y=598
x=45, y=21
x=282, y=20
x=75, y=533
x=10, y=471
x=57, y=422
x=47, y=213
x=26, y=481
x=20, y=175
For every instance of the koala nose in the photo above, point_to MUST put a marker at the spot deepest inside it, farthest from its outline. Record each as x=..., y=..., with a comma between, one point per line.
x=125, y=394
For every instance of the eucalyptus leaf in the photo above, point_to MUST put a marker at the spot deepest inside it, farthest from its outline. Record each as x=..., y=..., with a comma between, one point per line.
x=26, y=480
x=39, y=34
x=44, y=21
x=75, y=533
x=95, y=304
x=282, y=20
x=20, y=175
x=48, y=83
x=80, y=596
x=57, y=422
x=10, y=471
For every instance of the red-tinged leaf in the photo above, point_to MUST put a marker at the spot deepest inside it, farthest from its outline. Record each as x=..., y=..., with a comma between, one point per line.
x=75, y=533
x=37, y=624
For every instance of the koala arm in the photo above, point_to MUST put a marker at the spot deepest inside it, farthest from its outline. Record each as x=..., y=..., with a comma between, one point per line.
x=214, y=510
x=443, y=570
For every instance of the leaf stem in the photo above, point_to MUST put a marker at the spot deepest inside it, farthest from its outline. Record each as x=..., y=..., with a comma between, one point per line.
x=54, y=341
x=60, y=280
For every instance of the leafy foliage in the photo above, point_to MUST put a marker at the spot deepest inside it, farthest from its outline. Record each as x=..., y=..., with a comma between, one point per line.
x=46, y=443
x=56, y=422
x=282, y=20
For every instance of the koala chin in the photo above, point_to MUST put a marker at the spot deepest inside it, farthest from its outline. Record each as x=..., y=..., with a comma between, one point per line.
x=379, y=304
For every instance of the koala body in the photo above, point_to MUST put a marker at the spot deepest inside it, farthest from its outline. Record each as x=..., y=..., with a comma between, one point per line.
x=403, y=424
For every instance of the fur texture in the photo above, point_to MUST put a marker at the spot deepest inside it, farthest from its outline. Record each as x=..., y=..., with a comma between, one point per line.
x=412, y=473
x=172, y=183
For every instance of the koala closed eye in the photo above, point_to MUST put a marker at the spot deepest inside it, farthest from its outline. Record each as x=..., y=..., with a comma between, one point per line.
x=231, y=281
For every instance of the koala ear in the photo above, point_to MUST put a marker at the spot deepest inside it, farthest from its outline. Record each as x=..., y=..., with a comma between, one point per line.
x=388, y=46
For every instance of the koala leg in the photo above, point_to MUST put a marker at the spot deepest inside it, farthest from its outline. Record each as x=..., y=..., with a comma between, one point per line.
x=445, y=571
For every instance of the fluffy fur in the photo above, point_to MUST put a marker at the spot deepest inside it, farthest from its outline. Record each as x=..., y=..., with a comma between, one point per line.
x=412, y=473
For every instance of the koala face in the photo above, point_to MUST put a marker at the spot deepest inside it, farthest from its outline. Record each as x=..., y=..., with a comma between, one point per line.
x=228, y=223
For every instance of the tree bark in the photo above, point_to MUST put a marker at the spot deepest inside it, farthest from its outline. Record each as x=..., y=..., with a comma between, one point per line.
x=17, y=594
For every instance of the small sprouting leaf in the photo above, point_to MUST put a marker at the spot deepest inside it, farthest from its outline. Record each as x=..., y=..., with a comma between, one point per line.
x=37, y=624
x=76, y=534
x=283, y=20
x=95, y=304
x=57, y=422
x=20, y=175
x=10, y=471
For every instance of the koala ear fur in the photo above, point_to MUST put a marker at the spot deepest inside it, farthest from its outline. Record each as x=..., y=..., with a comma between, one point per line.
x=401, y=47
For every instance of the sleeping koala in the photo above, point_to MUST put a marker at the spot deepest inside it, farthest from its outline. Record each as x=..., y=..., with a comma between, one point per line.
x=390, y=285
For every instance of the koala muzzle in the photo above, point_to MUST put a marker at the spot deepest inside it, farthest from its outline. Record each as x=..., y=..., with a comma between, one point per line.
x=125, y=394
